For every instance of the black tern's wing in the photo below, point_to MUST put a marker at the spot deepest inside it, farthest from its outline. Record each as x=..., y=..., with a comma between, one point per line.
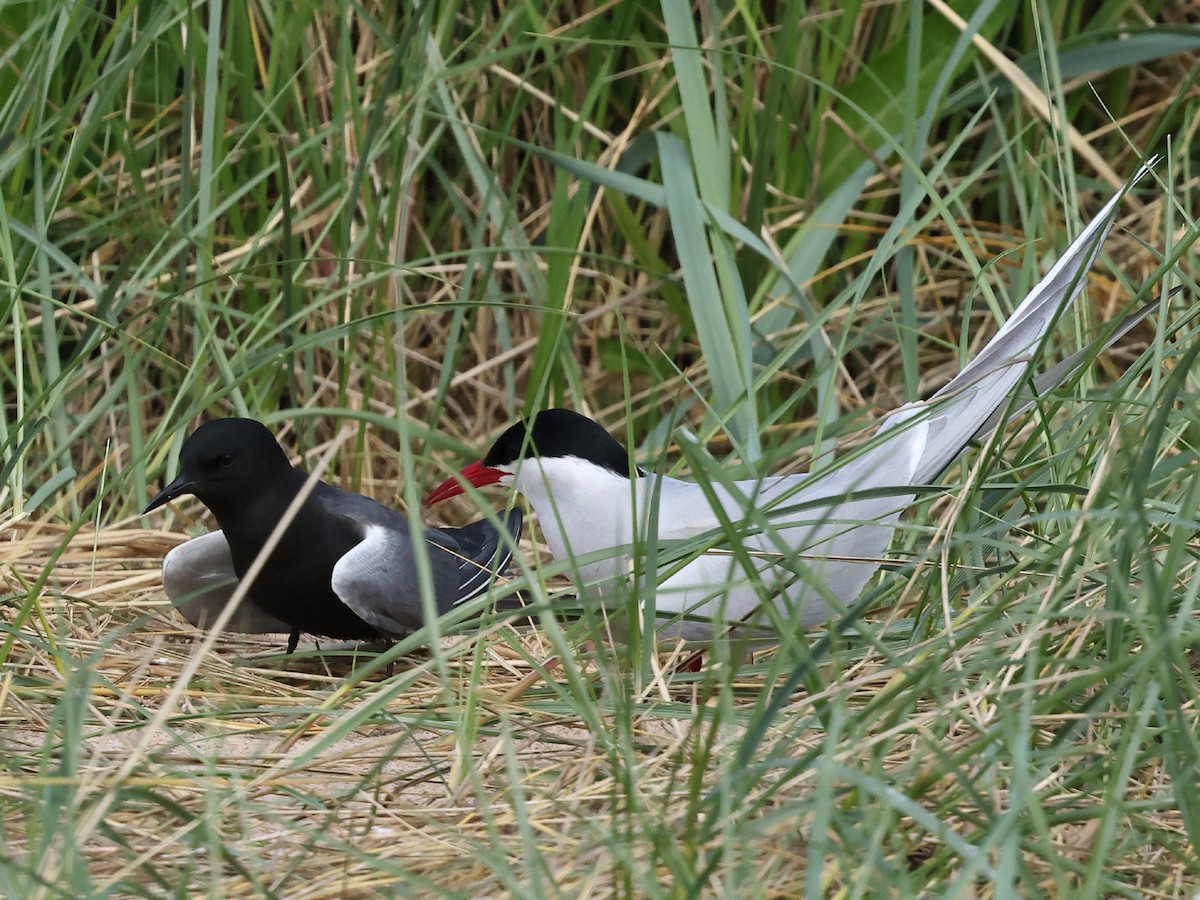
x=484, y=553
x=199, y=579
x=378, y=577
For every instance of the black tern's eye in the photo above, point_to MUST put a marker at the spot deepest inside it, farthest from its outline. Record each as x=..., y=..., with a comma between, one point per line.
x=225, y=461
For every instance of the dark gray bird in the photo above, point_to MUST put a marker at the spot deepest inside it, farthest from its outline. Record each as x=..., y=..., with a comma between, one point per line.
x=344, y=567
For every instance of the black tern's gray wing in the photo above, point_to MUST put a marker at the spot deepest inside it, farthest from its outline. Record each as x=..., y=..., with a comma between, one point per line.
x=199, y=580
x=379, y=580
x=378, y=577
x=484, y=552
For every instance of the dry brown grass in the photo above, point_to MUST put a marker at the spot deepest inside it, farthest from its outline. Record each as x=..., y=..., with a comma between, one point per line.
x=308, y=790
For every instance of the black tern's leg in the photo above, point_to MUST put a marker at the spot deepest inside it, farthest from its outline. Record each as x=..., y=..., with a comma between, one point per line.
x=293, y=641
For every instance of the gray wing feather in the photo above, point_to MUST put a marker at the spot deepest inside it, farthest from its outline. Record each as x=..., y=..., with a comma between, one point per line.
x=959, y=411
x=484, y=552
x=199, y=580
x=1062, y=371
x=961, y=407
x=378, y=578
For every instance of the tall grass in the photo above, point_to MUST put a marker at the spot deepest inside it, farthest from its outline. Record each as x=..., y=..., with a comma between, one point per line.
x=764, y=225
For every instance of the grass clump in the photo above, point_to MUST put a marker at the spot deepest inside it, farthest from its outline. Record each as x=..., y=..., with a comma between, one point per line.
x=401, y=227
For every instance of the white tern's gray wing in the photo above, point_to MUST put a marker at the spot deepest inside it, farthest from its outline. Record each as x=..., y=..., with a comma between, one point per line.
x=811, y=542
x=969, y=400
x=1062, y=371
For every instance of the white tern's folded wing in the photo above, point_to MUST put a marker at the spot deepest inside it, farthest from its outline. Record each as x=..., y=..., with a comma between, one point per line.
x=986, y=382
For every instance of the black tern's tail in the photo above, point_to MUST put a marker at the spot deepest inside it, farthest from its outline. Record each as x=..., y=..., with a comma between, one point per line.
x=484, y=552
